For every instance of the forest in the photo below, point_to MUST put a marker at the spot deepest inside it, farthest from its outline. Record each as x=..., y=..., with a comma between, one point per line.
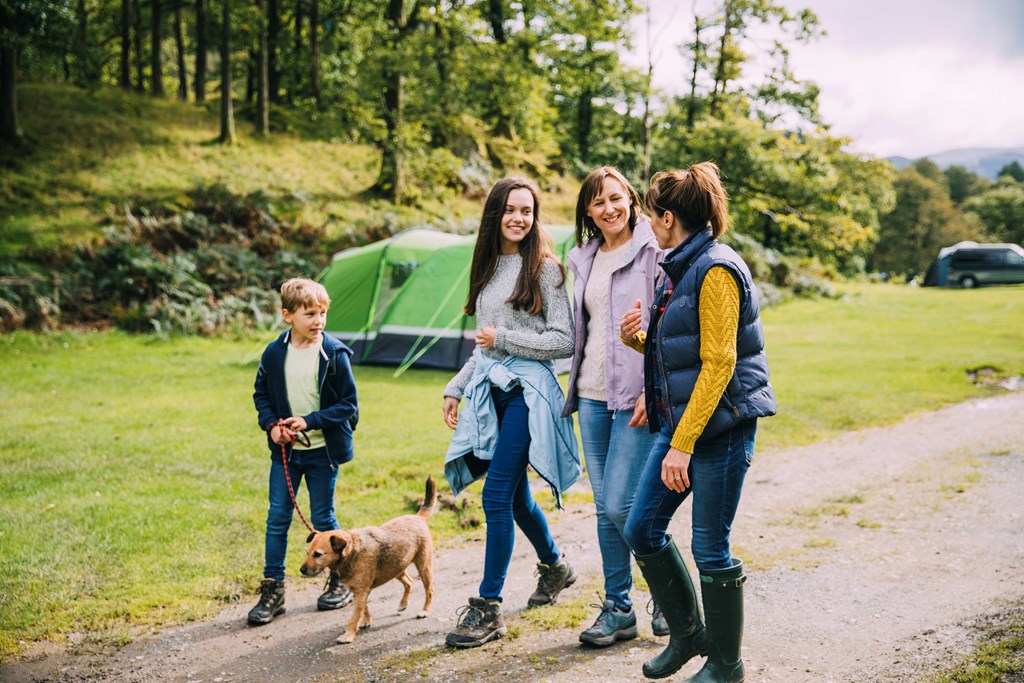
x=450, y=95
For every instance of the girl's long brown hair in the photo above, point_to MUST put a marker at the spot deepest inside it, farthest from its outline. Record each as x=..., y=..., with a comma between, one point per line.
x=695, y=195
x=592, y=186
x=535, y=248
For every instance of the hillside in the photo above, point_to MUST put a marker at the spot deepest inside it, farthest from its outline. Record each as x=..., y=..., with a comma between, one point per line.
x=92, y=151
x=985, y=161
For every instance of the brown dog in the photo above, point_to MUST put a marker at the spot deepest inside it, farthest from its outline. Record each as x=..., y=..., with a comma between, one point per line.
x=372, y=556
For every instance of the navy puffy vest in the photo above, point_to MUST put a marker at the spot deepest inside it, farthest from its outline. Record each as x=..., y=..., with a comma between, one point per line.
x=672, y=362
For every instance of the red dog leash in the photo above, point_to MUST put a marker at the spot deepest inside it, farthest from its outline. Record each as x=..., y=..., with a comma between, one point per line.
x=303, y=439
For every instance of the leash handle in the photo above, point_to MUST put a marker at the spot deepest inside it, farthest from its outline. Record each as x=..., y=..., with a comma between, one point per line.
x=302, y=438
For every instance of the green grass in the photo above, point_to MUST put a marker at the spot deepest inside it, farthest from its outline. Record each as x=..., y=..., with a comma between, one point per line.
x=94, y=151
x=999, y=655
x=134, y=480
x=880, y=353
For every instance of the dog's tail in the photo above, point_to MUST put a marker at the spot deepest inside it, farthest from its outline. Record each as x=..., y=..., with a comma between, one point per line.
x=429, y=500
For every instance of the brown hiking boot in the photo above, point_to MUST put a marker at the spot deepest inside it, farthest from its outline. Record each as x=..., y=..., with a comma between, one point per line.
x=271, y=602
x=336, y=596
x=481, y=623
x=551, y=579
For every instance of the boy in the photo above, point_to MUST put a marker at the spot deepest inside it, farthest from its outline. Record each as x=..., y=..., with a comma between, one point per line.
x=304, y=384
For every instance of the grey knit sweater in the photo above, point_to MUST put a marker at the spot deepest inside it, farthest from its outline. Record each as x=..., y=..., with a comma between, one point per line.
x=546, y=336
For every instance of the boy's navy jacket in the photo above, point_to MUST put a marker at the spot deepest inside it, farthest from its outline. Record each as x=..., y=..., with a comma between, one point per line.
x=339, y=406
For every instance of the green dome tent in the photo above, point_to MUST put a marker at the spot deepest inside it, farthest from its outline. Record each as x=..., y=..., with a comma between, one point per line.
x=399, y=301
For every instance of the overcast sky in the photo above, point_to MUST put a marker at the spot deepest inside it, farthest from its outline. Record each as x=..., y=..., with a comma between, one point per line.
x=900, y=77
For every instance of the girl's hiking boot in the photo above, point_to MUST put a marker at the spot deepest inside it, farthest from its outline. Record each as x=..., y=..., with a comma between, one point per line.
x=551, y=580
x=336, y=596
x=613, y=623
x=271, y=602
x=480, y=623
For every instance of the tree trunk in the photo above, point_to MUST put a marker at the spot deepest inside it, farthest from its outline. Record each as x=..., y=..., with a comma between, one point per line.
x=496, y=18
x=297, y=61
x=314, y=51
x=719, y=89
x=179, y=43
x=156, y=57
x=691, y=106
x=201, y=49
x=273, y=39
x=584, y=123
x=81, y=49
x=140, y=83
x=10, y=131
x=227, y=114
x=645, y=130
x=125, y=80
x=262, y=89
x=391, y=181
x=250, y=76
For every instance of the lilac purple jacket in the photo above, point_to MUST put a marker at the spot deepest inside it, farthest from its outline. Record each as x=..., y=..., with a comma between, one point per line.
x=634, y=277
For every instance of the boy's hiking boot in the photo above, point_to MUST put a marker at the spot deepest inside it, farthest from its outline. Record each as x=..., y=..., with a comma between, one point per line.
x=271, y=602
x=551, y=579
x=658, y=623
x=336, y=596
x=613, y=623
x=480, y=623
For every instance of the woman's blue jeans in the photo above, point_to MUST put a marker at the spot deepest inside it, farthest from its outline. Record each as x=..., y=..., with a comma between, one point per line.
x=507, y=499
x=314, y=466
x=615, y=454
x=717, y=469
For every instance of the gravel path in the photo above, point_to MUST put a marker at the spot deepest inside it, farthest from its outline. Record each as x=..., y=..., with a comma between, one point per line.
x=878, y=556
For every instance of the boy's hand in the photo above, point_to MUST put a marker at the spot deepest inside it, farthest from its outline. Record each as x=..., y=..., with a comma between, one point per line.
x=281, y=435
x=451, y=412
x=296, y=424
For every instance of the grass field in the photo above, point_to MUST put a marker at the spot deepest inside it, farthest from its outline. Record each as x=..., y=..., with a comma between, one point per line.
x=133, y=492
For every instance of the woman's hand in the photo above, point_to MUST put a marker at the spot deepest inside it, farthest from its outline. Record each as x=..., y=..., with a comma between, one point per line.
x=673, y=470
x=639, y=418
x=485, y=337
x=629, y=324
x=451, y=412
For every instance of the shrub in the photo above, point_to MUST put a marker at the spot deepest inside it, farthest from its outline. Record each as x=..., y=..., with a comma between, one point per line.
x=213, y=268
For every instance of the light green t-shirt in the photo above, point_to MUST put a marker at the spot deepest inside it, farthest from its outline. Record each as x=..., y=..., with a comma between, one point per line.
x=301, y=375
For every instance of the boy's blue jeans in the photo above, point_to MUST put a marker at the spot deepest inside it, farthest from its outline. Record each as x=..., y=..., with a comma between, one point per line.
x=320, y=477
x=615, y=454
x=506, y=496
x=717, y=469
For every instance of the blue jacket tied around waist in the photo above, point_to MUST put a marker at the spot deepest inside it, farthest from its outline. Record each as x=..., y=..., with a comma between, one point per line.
x=554, y=454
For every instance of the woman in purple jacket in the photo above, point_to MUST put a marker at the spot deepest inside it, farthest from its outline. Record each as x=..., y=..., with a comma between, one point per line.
x=614, y=264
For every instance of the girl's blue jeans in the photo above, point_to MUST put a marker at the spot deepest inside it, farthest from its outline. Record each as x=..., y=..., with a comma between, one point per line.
x=506, y=496
x=615, y=454
x=717, y=469
x=315, y=468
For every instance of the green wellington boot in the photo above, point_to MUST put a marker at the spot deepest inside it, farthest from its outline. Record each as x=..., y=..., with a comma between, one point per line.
x=722, y=595
x=673, y=590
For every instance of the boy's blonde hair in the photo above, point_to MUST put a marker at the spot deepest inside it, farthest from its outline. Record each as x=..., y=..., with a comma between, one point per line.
x=301, y=292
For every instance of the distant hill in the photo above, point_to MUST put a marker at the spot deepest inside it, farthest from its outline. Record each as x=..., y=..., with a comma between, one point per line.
x=985, y=161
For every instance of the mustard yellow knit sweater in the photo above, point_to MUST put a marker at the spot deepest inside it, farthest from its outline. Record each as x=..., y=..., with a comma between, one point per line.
x=719, y=321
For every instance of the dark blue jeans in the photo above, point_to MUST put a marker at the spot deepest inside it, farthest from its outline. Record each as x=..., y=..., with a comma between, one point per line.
x=506, y=496
x=320, y=477
x=717, y=469
x=616, y=454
